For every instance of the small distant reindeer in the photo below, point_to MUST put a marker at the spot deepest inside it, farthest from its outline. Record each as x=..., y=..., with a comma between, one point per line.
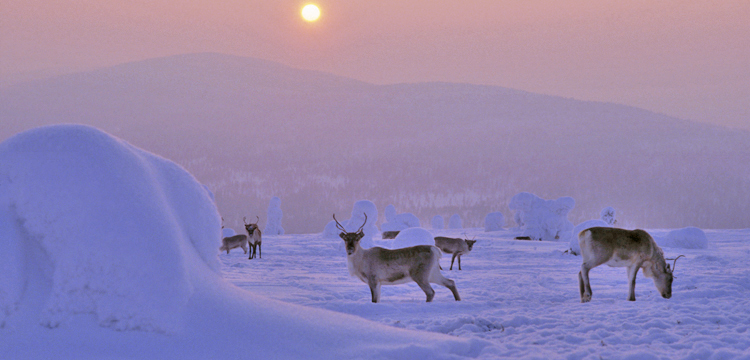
x=454, y=246
x=378, y=266
x=233, y=242
x=254, y=237
x=634, y=249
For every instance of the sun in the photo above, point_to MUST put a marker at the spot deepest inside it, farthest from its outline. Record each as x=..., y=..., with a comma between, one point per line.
x=310, y=12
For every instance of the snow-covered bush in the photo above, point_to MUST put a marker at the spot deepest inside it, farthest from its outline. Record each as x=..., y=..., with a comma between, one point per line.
x=542, y=219
x=437, y=222
x=413, y=237
x=455, y=222
x=398, y=222
x=608, y=216
x=494, y=221
x=575, y=248
x=273, y=223
x=685, y=238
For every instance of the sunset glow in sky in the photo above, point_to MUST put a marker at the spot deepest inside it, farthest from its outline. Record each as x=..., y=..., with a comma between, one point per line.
x=689, y=59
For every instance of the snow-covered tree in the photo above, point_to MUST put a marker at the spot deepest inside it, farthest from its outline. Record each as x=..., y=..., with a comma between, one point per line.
x=494, y=221
x=273, y=224
x=542, y=219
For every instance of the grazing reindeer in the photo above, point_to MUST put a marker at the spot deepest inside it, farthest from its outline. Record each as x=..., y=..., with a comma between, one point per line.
x=634, y=249
x=233, y=242
x=254, y=238
x=378, y=266
x=454, y=246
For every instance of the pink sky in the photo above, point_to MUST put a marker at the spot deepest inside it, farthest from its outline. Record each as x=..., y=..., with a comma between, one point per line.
x=685, y=58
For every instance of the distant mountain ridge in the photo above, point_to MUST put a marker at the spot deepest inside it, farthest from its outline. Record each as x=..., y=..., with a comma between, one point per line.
x=252, y=129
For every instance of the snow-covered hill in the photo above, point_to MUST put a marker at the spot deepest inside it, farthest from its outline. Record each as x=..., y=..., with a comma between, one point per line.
x=252, y=129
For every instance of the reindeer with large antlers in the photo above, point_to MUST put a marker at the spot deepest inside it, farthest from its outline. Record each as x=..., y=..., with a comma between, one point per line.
x=634, y=249
x=254, y=238
x=378, y=266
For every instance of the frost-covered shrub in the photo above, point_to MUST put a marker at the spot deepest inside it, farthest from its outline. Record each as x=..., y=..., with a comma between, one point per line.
x=542, y=219
x=398, y=222
x=413, y=237
x=455, y=222
x=685, y=238
x=608, y=216
x=575, y=248
x=437, y=222
x=273, y=224
x=494, y=221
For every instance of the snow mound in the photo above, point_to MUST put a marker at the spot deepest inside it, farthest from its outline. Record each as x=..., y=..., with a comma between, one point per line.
x=437, y=222
x=543, y=219
x=398, y=222
x=95, y=212
x=273, y=225
x=455, y=222
x=494, y=221
x=575, y=247
x=685, y=238
x=413, y=237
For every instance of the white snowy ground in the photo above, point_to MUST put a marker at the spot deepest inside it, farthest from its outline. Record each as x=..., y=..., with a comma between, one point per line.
x=523, y=297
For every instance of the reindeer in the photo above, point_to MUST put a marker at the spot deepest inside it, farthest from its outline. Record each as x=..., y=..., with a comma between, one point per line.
x=634, y=249
x=254, y=238
x=233, y=242
x=378, y=266
x=454, y=246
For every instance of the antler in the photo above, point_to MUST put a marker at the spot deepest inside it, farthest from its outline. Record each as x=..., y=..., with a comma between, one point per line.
x=675, y=262
x=256, y=222
x=338, y=225
x=244, y=220
x=363, y=224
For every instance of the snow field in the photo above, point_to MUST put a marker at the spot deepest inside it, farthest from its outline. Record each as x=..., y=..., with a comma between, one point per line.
x=523, y=297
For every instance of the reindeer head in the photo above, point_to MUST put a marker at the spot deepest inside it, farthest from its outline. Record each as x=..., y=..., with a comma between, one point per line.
x=662, y=275
x=350, y=238
x=251, y=227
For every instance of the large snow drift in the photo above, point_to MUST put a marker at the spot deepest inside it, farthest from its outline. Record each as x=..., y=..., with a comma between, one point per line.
x=412, y=237
x=686, y=238
x=96, y=234
x=113, y=229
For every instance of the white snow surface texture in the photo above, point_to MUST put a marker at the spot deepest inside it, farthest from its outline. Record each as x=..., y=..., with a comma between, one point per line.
x=97, y=235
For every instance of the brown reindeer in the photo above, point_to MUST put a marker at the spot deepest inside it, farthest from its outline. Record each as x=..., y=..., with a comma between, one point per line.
x=378, y=266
